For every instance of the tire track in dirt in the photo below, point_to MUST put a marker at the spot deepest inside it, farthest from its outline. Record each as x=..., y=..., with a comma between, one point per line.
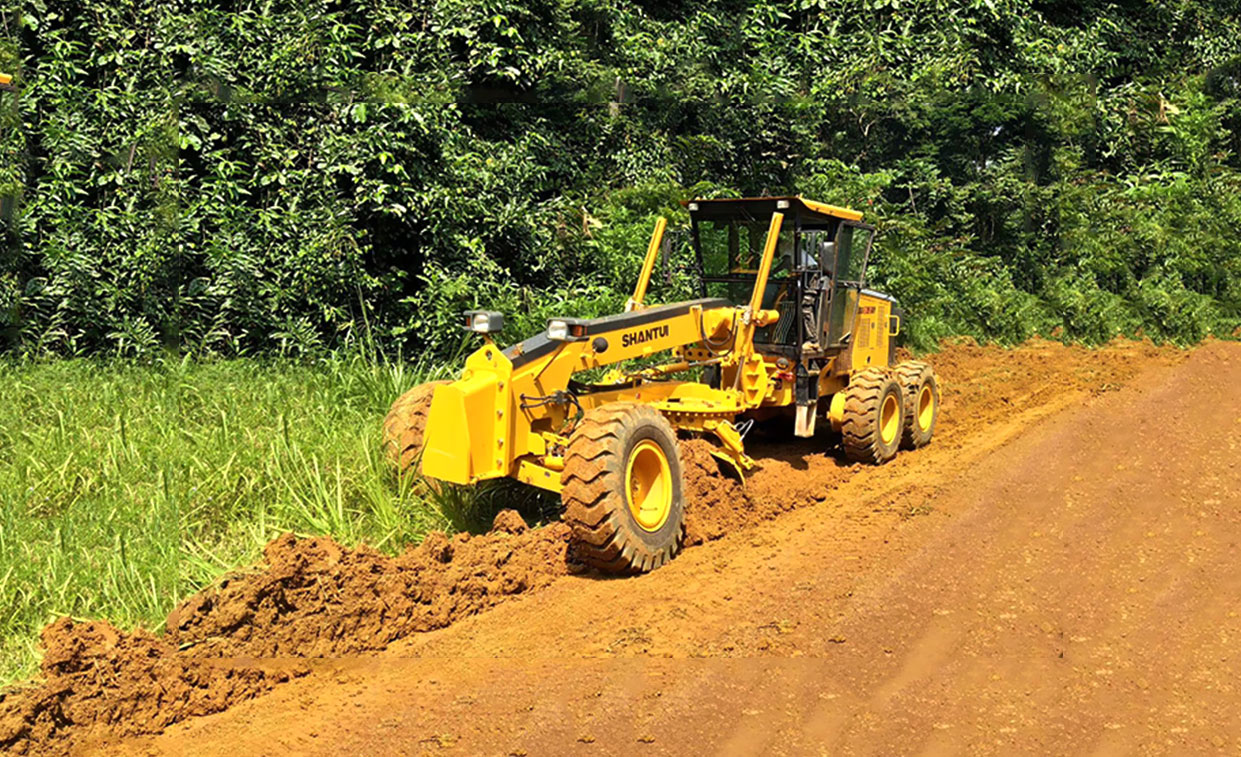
x=314, y=598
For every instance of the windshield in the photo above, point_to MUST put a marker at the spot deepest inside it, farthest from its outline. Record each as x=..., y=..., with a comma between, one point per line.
x=732, y=251
x=735, y=248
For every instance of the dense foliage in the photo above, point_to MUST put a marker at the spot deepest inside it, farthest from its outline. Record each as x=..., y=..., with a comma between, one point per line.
x=235, y=177
x=125, y=486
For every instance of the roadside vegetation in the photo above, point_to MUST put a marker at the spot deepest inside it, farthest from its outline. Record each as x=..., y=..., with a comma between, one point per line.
x=125, y=486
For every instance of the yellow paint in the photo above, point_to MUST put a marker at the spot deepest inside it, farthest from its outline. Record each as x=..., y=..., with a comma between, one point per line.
x=869, y=345
x=831, y=210
x=447, y=455
x=926, y=408
x=764, y=267
x=648, y=485
x=468, y=426
x=724, y=431
x=529, y=471
x=767, y=317
x=754, y=380
x=730, y=462
x=836, y=411
x=890, y=419
x=648, y=265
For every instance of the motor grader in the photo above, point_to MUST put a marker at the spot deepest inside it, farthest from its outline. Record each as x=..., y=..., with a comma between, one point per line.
x=783, y=333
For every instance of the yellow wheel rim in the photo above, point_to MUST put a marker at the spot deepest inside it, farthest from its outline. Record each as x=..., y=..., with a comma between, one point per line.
x=889, y=419
x=648, y=485
x=926, y=407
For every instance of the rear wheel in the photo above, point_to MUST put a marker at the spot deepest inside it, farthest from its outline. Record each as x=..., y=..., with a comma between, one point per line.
x=873, y=417
x=921, y=392
x=622, y=489
x=404, y=426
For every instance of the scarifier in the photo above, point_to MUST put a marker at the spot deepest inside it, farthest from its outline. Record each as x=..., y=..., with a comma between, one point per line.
x=807, y=342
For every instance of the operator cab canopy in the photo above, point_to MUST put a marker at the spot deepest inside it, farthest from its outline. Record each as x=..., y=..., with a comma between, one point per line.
x=820, y=253
x=729, y=234
x=761, y=208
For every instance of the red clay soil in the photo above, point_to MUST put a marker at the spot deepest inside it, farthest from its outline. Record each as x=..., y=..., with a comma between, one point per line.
x=95, y=676
x=313, y=598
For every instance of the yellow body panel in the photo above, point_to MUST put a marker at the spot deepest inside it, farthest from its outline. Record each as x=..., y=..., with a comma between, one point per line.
x=534, y=472
x=469, y=427
x=869, y=346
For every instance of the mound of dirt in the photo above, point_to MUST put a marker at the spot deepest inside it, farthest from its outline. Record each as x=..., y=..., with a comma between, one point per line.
x=316, y=598
x=714, y=503
x=982, y=387
x=312, y=598
x=95, y=676
x=790, y=474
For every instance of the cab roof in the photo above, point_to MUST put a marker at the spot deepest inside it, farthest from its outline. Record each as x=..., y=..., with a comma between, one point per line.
x=762, y=208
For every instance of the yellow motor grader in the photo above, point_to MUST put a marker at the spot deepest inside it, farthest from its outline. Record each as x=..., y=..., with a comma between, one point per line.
x=784, y=331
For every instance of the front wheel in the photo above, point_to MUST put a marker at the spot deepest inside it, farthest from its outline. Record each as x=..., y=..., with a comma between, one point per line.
x=405, y=425
x=622, y=489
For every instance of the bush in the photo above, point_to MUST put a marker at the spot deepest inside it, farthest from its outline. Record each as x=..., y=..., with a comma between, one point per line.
x=192, y=176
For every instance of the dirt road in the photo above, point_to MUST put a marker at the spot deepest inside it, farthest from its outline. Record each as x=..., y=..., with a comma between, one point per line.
x=1057, y=574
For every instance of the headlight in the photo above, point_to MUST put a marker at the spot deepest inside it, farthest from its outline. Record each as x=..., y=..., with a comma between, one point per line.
x=567, y=329
x=484, y=321
x=557, y=330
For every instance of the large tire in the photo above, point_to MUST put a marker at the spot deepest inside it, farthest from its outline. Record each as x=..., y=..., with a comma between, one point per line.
x=404, y=426
x=873, y=417
x=622, y=490
x=921, y=393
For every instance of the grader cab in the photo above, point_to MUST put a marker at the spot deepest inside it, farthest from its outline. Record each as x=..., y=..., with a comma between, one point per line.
x=783, y=331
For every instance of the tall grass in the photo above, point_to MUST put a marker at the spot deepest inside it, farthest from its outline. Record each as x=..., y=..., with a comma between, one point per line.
x=126, y=486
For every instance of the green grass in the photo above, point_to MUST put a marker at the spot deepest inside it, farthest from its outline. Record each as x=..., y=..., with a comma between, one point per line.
x=125, y=487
